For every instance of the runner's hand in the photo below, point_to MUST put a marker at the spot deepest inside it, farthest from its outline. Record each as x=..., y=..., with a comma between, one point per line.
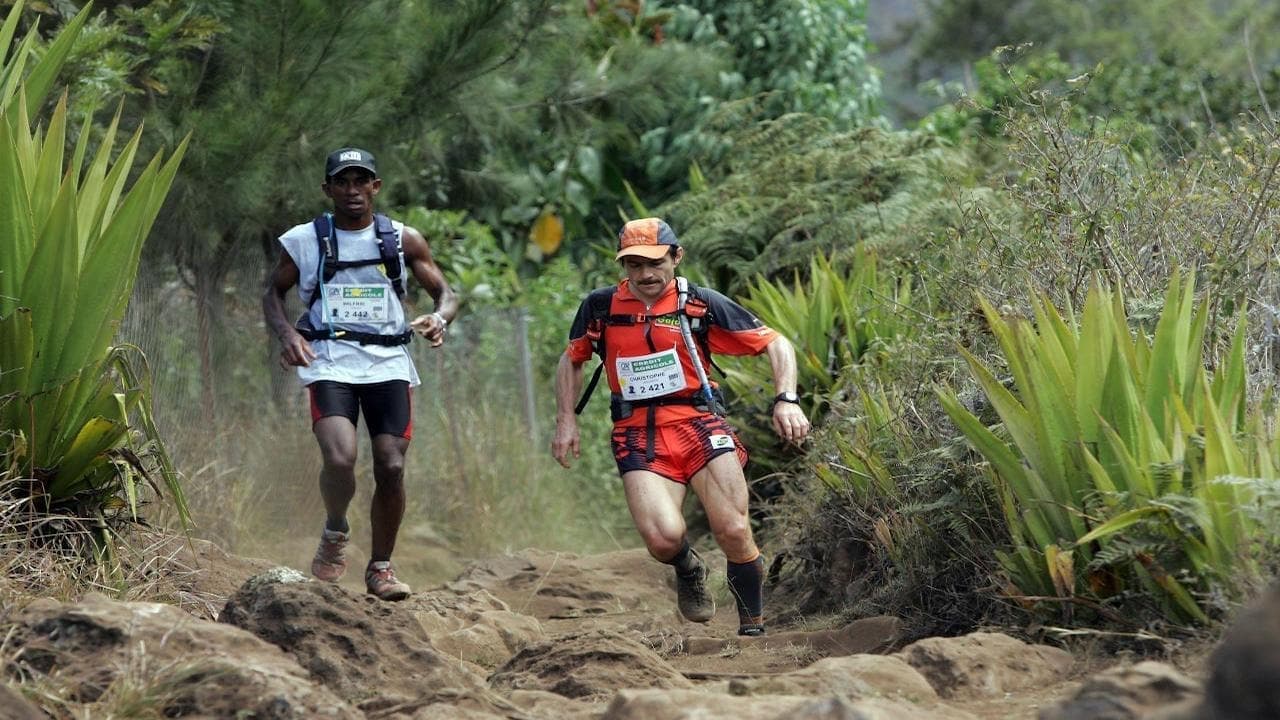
x=566, y=441
x=296, y=352
x=790, y=423
x=432, y=327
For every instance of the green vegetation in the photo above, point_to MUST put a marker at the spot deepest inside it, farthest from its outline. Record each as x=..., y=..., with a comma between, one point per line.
x=1037, y=326
x=1110, y=457
x=75, y=415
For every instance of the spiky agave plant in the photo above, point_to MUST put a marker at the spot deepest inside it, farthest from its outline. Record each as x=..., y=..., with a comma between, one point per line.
x=1110, y=454
x=75, y=418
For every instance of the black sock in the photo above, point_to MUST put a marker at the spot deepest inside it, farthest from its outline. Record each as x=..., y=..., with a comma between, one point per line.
x=686, y=561
x=340, y=525
x=746, y=582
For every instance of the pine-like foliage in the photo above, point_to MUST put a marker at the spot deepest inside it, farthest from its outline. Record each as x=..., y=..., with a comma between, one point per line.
x=792, y=188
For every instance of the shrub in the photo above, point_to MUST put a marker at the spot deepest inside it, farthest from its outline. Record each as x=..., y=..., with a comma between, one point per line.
x=1108, y=455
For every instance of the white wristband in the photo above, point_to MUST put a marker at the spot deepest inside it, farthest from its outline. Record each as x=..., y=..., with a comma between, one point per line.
x=444, y=324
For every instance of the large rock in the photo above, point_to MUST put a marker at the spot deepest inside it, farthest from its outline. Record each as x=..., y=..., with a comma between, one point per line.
x=697, y=705
x=592, y=664
x=543, y=704
x=839, y=708
x=1127, y=693
x=1245, y=668
x=189, y=665
x=855, y=676
x=693, y=705
x=475, y=626
x=372, y=652
x=985, y=664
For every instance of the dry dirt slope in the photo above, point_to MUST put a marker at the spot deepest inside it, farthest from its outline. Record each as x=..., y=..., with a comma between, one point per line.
x=539, y=635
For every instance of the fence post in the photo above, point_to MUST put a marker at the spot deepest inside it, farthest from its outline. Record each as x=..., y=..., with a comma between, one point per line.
x=526, y=374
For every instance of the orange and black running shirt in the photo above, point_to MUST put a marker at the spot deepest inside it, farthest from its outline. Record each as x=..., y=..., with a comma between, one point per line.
x=638, y=351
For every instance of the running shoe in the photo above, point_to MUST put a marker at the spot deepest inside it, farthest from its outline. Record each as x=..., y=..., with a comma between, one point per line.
x=330, y=561
x=695, y=603
x=381, y=582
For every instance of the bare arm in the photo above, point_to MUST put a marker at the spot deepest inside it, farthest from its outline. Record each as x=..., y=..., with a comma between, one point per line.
x=417, y=255
x=568, y=387
x=789, y=420
x=296, y=350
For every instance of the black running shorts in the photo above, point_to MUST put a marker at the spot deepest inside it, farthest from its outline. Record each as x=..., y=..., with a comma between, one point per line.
x=387, y=406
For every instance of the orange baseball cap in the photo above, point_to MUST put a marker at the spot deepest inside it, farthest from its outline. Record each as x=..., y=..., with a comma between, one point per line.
x=647, y=237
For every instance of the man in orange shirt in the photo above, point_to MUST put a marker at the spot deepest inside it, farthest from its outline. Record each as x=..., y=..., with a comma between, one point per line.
x=655, y=336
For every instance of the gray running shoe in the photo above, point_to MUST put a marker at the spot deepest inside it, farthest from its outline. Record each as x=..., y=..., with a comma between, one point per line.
x=330, y=561
x=696, y=604
x=381, y=581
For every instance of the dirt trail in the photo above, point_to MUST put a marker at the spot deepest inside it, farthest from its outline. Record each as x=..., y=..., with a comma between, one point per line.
x=549, y=635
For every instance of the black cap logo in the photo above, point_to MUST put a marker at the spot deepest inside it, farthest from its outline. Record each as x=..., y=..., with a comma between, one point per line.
x=344, y=158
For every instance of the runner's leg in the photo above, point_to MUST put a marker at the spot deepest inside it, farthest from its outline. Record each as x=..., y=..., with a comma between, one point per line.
x=388, y=410
x=722, y=489
x=335, y=410
x=387, y=509
x=337, y=438
x=655, y=502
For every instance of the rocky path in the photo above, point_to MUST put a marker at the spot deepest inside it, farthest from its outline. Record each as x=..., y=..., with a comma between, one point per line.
x=540, y=635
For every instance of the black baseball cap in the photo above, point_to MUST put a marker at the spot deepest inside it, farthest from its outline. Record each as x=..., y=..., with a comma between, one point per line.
x=348, y=157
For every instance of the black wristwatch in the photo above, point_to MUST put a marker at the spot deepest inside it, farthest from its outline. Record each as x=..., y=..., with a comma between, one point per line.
x=787, y=397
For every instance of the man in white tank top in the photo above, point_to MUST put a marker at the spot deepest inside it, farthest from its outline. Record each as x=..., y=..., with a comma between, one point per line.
x=350, y=351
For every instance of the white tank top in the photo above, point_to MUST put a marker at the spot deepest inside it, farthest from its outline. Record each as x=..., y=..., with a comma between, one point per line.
x=358, y=298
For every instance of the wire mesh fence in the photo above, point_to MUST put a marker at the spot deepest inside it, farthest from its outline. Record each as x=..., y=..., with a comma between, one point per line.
x=479, y=474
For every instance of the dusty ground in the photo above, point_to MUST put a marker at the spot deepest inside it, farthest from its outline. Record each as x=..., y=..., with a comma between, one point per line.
x=537, y=634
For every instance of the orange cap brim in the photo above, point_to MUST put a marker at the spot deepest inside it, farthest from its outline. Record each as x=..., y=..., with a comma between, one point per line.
x=652, y=252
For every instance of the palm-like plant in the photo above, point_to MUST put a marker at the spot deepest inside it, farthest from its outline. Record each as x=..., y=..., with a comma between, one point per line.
x=74, y=407
x=836, y=319
x=1111, y=454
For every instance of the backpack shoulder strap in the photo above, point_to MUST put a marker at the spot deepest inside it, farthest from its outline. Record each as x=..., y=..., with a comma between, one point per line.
x=323, y=225
x=325, y=240
x=692, y=304
x=599, y=303
x=389, y=247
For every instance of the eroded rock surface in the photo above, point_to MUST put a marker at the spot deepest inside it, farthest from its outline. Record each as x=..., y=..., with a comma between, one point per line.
x=985, y=664
x=1128, y=692
x=539, y=635
x=196, y=666
x=372, y=652
x=592, y=664
x=854, y=676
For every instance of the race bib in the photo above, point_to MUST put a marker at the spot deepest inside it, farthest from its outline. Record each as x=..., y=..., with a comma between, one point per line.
x=652, y=375
x=358, y=303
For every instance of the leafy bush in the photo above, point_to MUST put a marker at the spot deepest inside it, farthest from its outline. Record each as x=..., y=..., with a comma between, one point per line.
x=891, y=517
x=807, y=56
x=1108, y=453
